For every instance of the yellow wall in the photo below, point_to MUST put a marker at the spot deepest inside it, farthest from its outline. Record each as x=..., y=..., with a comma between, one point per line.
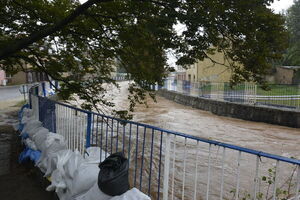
x=206, y=70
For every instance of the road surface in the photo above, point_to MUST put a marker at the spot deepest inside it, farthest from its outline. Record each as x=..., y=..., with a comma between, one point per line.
x=10, y=92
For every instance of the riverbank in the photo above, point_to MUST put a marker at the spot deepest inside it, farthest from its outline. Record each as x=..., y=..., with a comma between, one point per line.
x=278, y=116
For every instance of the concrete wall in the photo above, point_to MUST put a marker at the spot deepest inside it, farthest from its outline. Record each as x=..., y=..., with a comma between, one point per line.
x=284, y=117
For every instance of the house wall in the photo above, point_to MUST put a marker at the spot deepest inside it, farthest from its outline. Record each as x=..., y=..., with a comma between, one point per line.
x=2, y=77
x=209, y=71
x=206, y=70
x=18, y=78
x=192, y=73
x=284, y=76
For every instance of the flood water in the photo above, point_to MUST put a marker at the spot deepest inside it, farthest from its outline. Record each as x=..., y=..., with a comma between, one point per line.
x=188, y=174
x=264, y=137
x=167, y=114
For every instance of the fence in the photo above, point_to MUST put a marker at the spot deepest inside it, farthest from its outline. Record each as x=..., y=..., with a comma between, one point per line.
x=171, y=165
x=249, y=93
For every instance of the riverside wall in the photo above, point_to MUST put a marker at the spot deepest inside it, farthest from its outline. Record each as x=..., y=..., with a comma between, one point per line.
x=279, y=116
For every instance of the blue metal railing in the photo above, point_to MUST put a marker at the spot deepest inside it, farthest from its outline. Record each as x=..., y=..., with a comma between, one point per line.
x=150, y=149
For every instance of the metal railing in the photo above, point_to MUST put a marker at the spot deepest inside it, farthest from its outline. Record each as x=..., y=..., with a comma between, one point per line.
x=287, y=96
x=170, y=165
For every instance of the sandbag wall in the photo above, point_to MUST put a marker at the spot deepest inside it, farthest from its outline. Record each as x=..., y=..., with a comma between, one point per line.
x=73, y=176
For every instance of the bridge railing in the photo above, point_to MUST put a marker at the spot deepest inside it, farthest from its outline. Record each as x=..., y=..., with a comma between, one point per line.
x=279, y=95
x=170, y=165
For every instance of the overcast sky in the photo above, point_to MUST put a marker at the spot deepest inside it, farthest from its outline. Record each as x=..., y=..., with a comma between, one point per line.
x=280, y=5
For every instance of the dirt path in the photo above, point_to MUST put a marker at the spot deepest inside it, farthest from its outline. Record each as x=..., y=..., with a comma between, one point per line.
x=17, y=182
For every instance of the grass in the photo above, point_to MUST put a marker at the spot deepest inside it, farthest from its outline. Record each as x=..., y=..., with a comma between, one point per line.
x=279, y=90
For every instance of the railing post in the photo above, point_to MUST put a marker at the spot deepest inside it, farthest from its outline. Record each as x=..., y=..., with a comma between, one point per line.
x=44, y=89
x=166, y=168
x=88, y=130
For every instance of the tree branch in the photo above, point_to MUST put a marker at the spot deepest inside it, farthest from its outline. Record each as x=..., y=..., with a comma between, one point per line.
x=15, y=46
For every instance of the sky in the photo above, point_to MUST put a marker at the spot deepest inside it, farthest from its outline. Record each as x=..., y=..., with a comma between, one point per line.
x=280, y=5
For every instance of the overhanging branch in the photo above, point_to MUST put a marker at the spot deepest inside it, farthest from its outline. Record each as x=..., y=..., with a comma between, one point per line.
x=15, y=46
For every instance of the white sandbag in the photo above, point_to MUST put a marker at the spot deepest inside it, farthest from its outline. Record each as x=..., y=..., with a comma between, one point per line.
x=56, y=181
x=26, y=119
x=51, y=161
x=93, y=194
x=30, y=144
x=92, y=155
x=33, y=131
x=31, y=124
x=27, y=112
x=58, y=177
x=39, y=139
x=53, y=143
x=84, y=178
x=133, y=194
x=73, y=164
x=27, y=115
x=31, y=127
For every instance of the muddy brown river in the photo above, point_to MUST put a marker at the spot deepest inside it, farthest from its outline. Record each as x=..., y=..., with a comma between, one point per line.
x=169, y=115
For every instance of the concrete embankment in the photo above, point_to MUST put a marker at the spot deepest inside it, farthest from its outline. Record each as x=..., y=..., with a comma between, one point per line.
x=279, y=116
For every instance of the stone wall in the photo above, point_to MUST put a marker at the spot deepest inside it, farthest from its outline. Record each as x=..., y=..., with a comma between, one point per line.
x=279, y=116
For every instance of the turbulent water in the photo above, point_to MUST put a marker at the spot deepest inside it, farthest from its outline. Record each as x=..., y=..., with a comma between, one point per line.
x=169, y=115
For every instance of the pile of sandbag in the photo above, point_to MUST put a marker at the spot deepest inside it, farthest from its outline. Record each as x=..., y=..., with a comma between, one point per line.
x=73, y=177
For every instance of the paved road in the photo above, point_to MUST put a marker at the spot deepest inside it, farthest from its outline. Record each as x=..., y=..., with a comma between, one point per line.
x=10, y=92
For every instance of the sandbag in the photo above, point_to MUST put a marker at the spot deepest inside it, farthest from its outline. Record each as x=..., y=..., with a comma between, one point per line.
x=53, y=143
x=30, y=144
x=51, y=161
x=133, y=194
x=58, y=176
x=92, y=155
x=27, y=113
x=33, y=131
x=93, y=193
x=73, y=164
x=40, y=137
x=113, y=175
x=84, y=178
x=31, y=127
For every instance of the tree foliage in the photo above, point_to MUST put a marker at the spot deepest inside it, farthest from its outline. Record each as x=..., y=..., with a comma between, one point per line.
x=78, y=43
x=292, y=55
